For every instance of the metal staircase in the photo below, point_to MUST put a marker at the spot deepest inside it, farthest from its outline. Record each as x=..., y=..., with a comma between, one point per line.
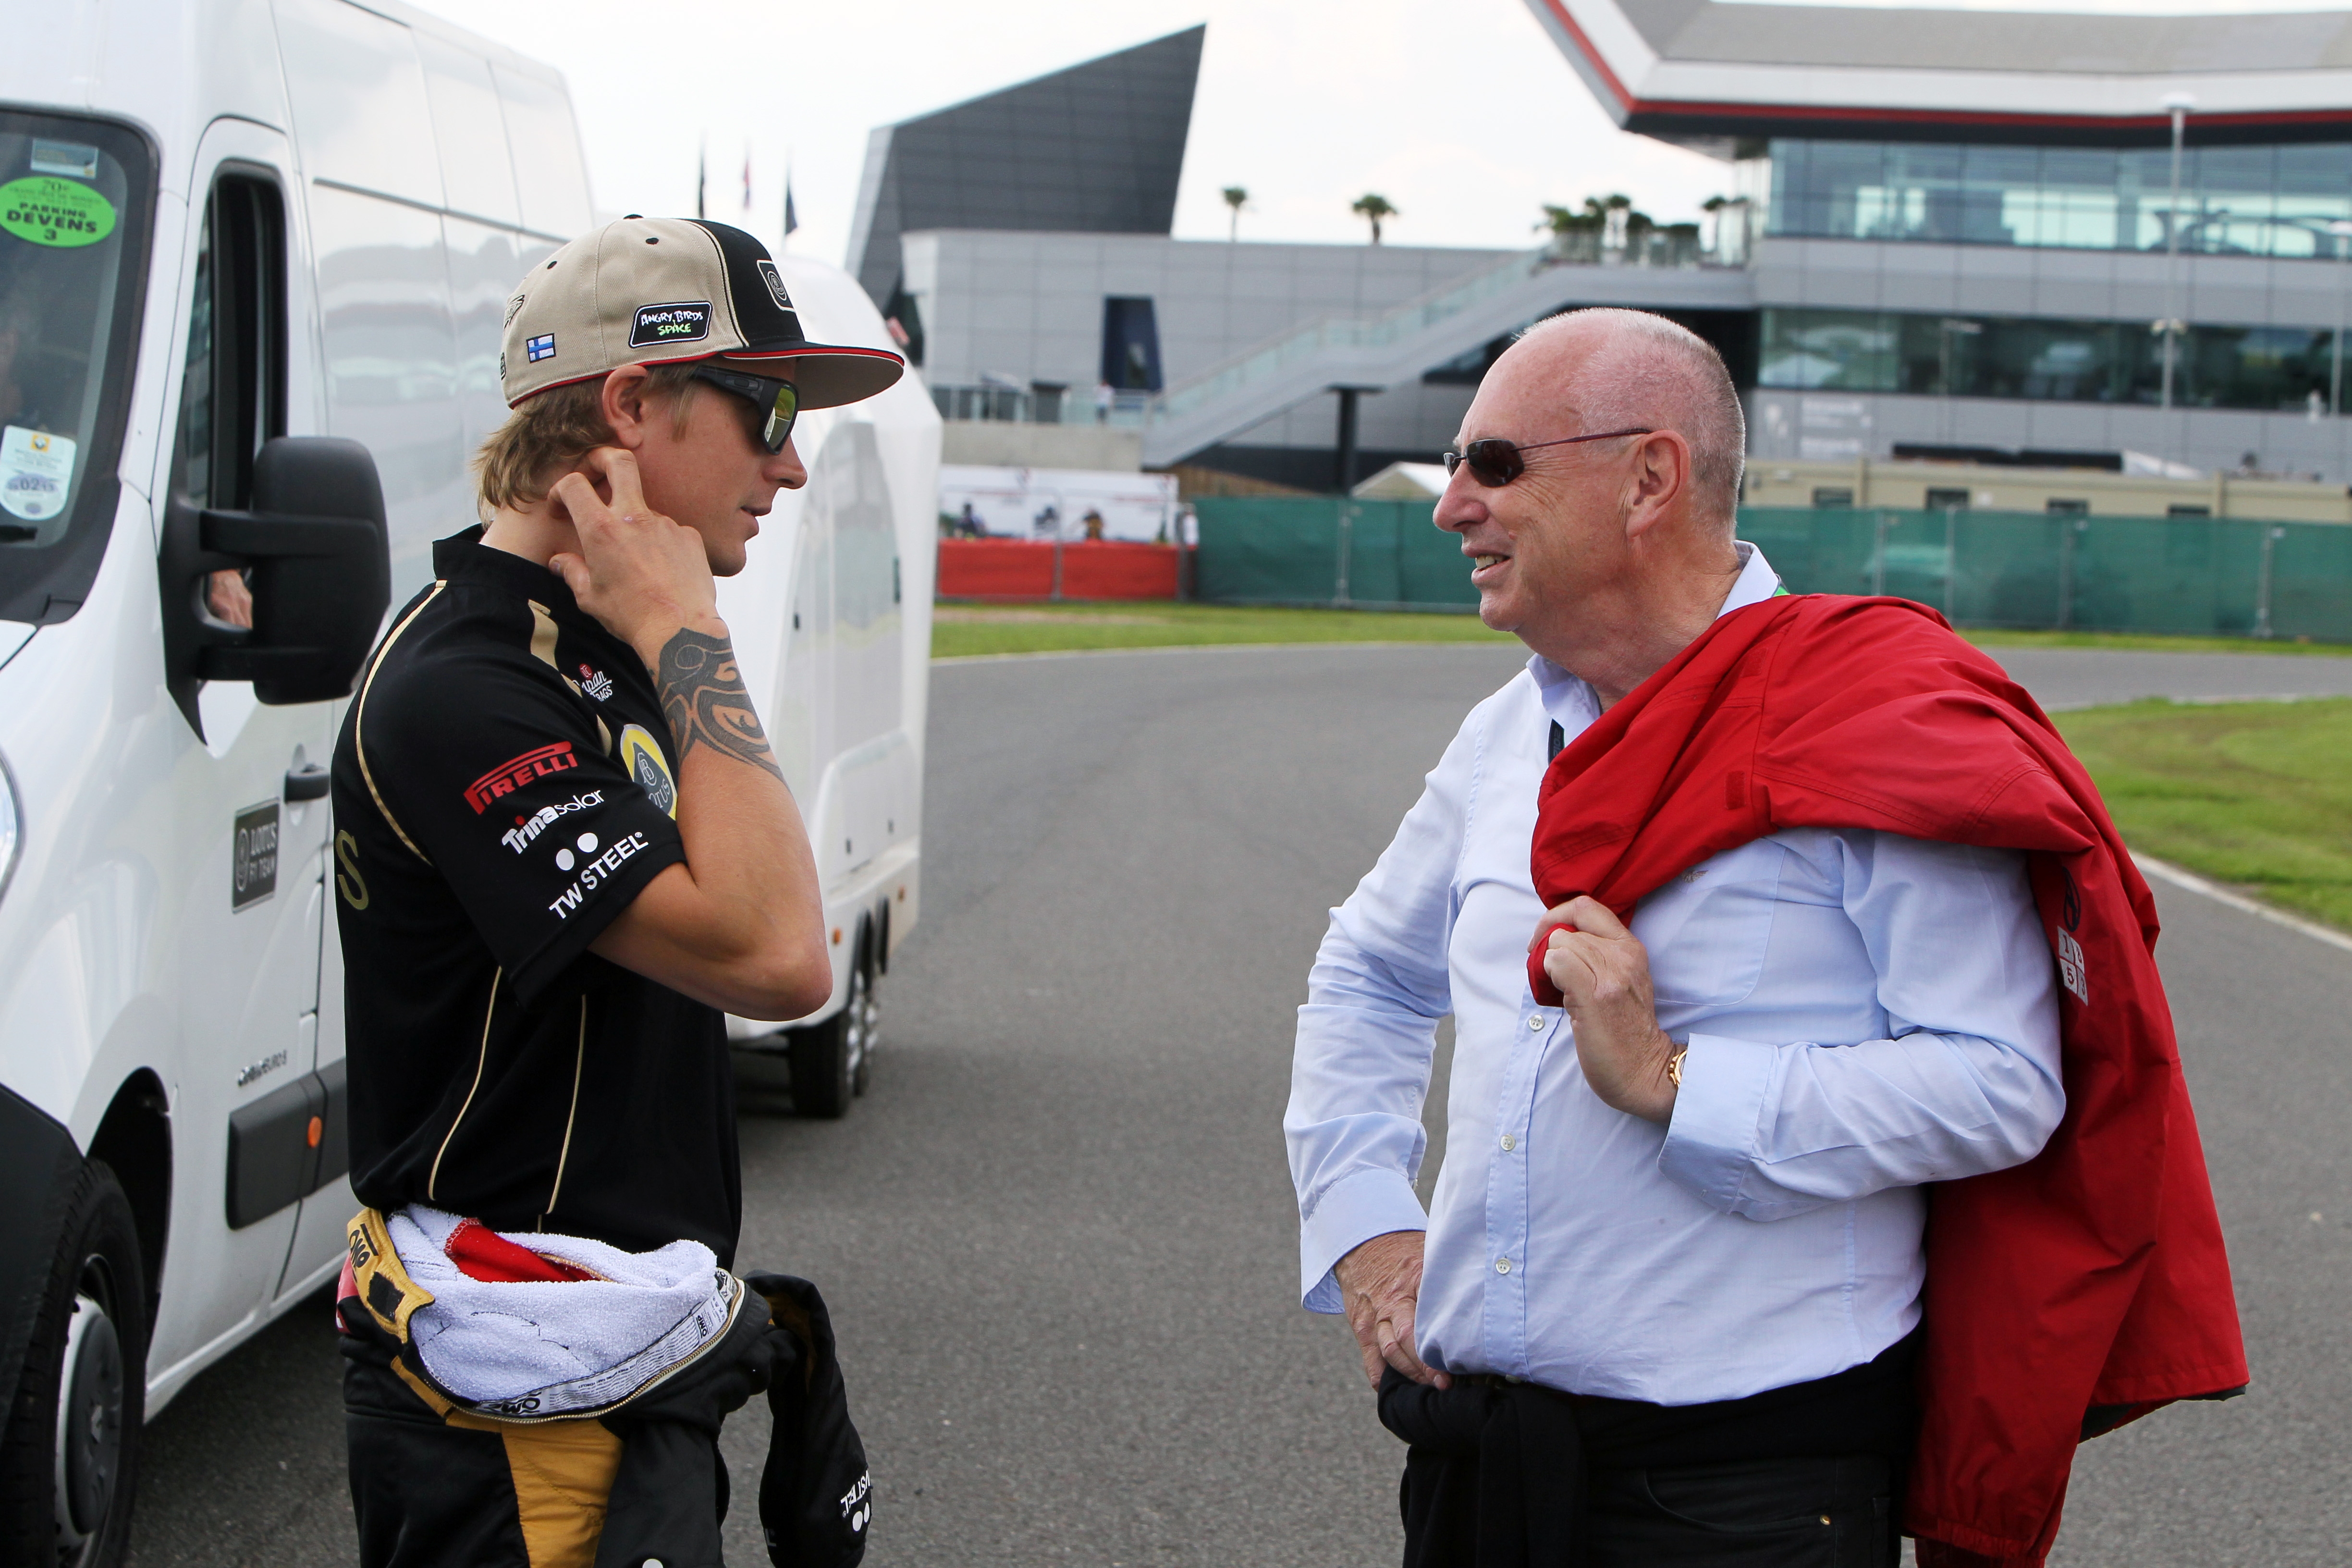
x=1394, y=347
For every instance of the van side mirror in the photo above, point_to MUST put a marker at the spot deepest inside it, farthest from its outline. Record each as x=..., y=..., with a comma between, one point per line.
x=316, y=544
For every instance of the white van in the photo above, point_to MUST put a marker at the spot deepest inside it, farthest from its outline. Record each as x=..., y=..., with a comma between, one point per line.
x=235, y=237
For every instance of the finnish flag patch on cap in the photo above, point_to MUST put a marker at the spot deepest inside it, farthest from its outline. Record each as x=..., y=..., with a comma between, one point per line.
x=682, y=321
x=540, y=347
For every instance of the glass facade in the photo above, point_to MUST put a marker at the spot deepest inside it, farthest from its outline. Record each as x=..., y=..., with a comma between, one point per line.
x=2268, y=369
x=2234, y=201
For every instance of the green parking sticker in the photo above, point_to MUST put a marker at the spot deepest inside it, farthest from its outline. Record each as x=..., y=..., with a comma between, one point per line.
x=47, y=210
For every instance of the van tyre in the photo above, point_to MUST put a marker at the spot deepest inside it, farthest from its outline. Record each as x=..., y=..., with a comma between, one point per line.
x=831, y=1062
x=69, y=1459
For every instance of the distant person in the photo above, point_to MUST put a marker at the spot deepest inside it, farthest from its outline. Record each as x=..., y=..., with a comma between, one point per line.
x=973, y=528
x=1102, y=403
x=1832, y=916
x=1093, y=523
x=563, y=849
x=1047, y=523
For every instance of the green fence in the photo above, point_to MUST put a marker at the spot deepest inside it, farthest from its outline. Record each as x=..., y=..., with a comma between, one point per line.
x=2186, y=575
x=1375, y=554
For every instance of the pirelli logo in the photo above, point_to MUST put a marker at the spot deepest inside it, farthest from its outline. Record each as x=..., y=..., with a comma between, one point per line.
x=510, y=775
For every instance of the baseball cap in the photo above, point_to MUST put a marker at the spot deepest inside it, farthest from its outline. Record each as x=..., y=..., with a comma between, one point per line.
x=660, y=291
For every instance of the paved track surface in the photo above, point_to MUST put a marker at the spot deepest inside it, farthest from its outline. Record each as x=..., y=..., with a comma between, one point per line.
x=2079, y=677
x=1058, y=1236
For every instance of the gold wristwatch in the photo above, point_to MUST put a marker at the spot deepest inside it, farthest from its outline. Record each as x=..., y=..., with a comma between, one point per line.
x=1674, y=1067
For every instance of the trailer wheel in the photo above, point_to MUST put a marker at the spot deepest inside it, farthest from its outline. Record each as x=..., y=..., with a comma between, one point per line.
x=829, y=1059
x=69, y=1459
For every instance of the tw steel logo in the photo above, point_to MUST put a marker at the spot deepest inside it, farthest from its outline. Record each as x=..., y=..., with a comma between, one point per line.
x=516, y=772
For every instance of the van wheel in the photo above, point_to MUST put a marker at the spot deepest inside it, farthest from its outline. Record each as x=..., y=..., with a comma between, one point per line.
x=69, y=1459
x=869, y=1025
x=829, y=1059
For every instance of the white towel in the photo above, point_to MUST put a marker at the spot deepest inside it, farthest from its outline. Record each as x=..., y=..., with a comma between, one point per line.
x=539, y=1348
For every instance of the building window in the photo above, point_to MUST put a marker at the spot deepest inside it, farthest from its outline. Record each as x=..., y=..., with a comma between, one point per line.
x=1833, y=495
x=1131, y=345
x=2234, y=201
x=2056, y=507
x=2038, y=359
x=1941, y=500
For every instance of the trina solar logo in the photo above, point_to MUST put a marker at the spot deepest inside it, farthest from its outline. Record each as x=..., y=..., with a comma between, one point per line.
x=526, y=828
x=510, y=775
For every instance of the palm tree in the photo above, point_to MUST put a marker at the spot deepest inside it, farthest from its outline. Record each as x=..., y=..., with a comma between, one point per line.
x=1372, y=208
x=1237, y=197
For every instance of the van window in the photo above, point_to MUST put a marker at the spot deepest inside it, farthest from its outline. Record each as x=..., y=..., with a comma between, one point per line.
x=75, y=200
x=232, y=398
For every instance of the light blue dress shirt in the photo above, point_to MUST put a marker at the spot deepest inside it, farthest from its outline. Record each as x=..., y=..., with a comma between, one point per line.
x=1863, y=1013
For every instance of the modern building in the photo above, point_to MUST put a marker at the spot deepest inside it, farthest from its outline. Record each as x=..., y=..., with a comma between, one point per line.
x=1095, y=149
x=1956, y=235
x=1970, y=232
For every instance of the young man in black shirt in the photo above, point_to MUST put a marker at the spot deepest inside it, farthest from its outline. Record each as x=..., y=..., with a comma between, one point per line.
x=564, y=849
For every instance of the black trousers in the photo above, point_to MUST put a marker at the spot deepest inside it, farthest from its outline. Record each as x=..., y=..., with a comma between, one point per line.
x=1500, y=1474
x=1770, y=1513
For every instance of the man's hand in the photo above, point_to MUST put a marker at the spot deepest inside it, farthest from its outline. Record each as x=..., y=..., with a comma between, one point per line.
x=641, y=576
x=1603, y=971
x=1381, y=1283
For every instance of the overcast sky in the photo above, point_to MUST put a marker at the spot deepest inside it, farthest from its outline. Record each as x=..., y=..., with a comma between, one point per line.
x=1463, y=113
x=1460, y=112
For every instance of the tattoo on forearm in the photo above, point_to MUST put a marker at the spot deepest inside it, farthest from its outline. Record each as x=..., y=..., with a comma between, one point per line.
x=706, y=704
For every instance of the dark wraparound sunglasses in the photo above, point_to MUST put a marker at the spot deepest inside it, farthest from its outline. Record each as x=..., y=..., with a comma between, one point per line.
x=778, y=402
x=1494, y=462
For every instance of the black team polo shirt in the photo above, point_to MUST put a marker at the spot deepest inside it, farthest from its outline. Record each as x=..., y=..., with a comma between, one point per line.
x=502, y=790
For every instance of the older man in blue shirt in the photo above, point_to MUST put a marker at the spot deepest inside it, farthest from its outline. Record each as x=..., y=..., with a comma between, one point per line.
x=1691, y=1199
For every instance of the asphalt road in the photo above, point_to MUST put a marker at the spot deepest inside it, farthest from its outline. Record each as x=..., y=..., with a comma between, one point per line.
x=1058, y=1236
x=2080, y=678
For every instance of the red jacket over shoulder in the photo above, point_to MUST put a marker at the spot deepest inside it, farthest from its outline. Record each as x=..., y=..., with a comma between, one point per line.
x=2092, y=1276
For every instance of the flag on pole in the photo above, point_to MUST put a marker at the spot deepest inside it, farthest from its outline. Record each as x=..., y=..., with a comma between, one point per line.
x=747, y=180
x=792, y=219
x=701, y=178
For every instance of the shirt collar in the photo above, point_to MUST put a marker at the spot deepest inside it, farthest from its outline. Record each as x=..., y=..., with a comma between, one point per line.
x=463, y=557
x=1756, y=582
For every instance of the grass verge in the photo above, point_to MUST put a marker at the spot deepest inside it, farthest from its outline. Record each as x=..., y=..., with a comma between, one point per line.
x=2147, y=642
x=2254, y=795
x=961, y=631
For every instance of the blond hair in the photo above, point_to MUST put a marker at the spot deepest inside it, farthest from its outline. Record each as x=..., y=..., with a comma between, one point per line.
x=543, y=437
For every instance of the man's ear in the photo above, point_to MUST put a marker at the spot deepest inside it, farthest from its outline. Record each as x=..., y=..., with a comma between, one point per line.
x=1659, y=481
x=623, y=403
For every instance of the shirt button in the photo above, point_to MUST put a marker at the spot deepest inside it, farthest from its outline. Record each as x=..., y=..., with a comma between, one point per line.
x=1535, y=1023
x=1509, y=1142
x=1502, y=1265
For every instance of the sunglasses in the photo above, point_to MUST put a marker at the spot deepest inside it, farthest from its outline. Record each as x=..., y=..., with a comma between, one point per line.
x=1494, y=462
x=778, y=402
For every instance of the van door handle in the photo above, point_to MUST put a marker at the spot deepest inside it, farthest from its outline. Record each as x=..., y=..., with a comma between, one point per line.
x=308, y=781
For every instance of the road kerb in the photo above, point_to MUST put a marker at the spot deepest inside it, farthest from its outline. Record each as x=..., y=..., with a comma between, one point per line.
x=2166, y=871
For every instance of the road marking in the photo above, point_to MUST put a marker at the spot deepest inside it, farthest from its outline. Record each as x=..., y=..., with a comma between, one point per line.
x=2152, y=867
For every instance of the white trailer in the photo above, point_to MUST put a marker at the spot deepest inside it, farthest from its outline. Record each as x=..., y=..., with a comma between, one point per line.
x=234, y=235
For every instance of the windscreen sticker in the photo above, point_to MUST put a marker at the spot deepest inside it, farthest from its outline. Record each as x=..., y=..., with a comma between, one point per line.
x=49, y=211
x=35, y=472
x=64, y=158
